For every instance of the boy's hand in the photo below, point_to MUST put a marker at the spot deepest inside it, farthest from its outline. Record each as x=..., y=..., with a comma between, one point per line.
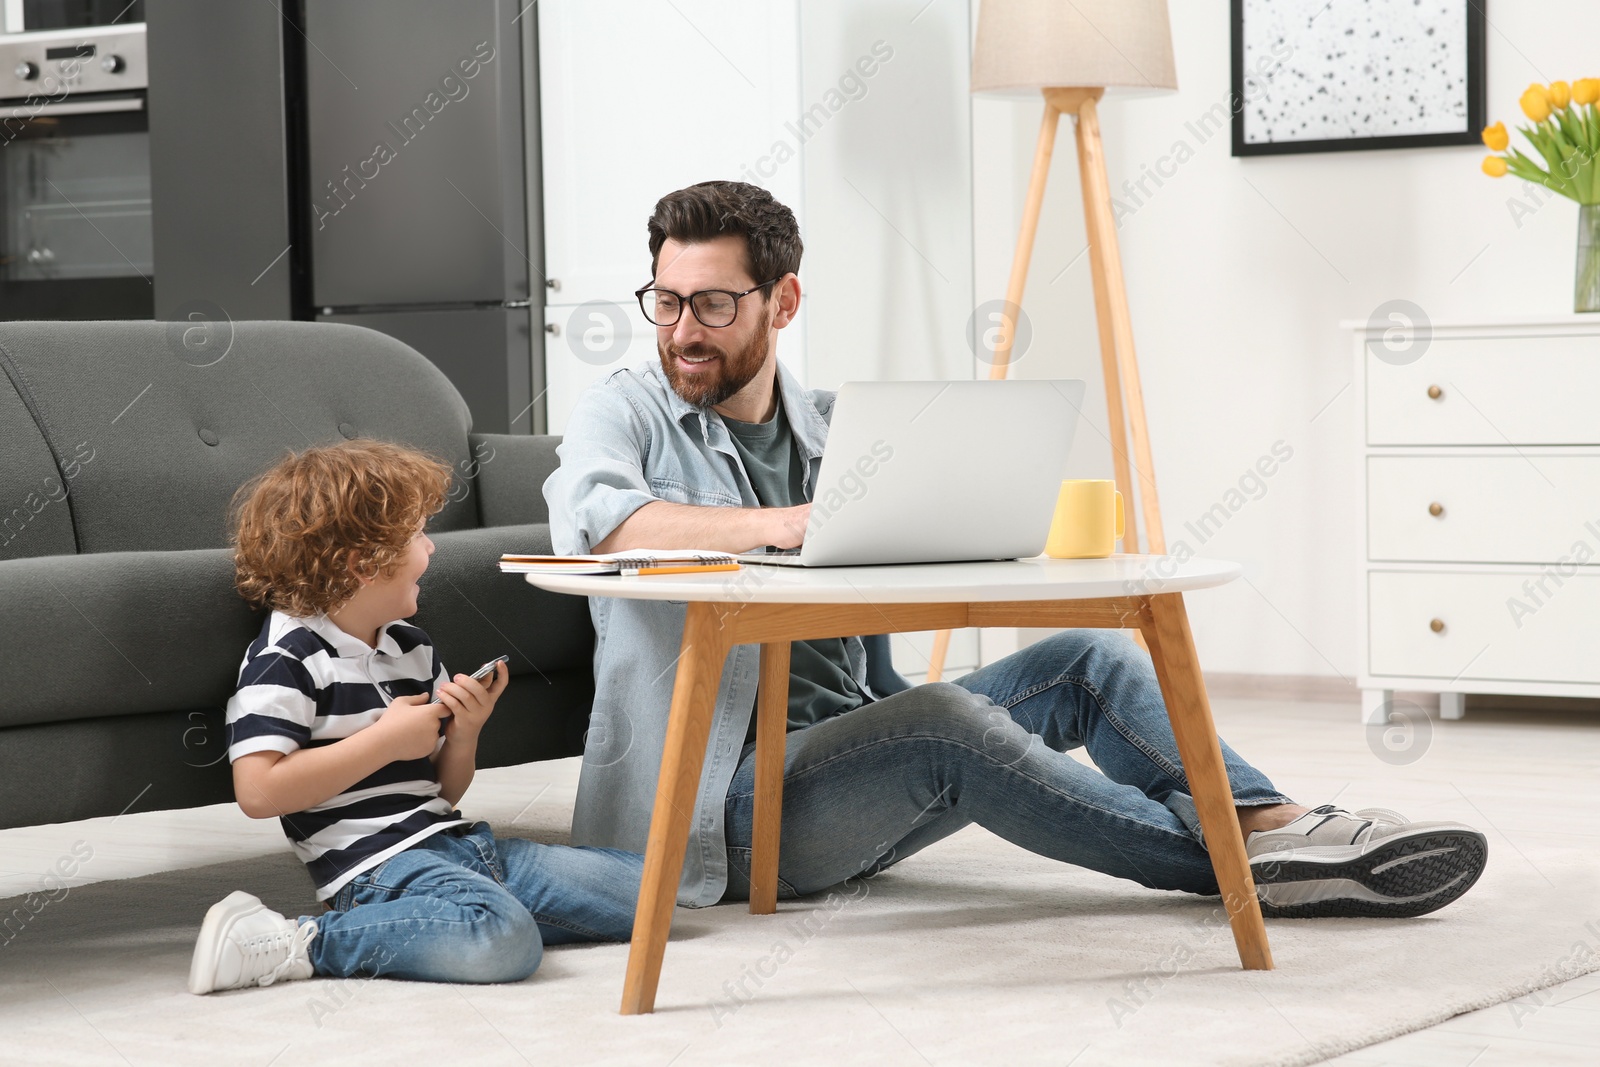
x=471, y=703
x=412, y=726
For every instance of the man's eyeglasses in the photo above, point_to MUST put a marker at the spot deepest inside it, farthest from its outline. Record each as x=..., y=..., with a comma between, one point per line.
x=713, y=307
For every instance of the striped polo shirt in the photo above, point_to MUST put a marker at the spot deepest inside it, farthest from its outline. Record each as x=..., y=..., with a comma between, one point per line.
x=306, y=683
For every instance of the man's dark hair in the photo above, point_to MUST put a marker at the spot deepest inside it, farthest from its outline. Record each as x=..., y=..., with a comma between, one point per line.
x=718, y=209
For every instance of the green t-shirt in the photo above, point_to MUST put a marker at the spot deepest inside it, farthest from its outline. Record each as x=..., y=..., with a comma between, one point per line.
x=820, y=683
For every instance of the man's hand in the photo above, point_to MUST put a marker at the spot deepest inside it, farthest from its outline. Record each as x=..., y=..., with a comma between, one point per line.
x=410, y=726
x=789, y=525
x=471, y=704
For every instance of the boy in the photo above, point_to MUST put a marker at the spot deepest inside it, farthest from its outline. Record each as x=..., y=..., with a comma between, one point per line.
x=347, y=728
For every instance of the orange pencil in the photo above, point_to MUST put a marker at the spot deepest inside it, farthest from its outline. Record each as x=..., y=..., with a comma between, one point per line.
x=695, y=569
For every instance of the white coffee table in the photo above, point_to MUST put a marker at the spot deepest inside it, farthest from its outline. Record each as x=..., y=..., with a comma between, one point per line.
x=776, y=605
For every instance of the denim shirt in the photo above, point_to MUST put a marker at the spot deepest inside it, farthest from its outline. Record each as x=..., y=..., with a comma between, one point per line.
x=632, y=440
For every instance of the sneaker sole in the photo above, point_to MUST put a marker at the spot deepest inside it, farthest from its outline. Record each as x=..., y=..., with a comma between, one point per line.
x=219, y=919
x=1400, y=878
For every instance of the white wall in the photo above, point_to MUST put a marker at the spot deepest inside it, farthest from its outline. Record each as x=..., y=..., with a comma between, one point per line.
x=857, y=116
x=1239, y=272
x=888, y=266
x=888, y=192
x=626, y=90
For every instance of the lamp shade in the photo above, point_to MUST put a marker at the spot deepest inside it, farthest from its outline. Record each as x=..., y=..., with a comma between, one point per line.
x=1027, y=45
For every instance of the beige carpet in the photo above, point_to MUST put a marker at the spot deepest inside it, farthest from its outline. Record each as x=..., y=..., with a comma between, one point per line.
x=971, y=952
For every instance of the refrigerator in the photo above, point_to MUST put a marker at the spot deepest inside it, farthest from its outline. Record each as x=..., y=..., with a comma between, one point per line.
x=421, y=165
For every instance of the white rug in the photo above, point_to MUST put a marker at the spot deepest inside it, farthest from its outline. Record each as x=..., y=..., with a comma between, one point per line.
x=973, y=951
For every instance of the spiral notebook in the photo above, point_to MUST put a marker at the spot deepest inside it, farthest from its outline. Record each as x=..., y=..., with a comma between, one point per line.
x=635, y=561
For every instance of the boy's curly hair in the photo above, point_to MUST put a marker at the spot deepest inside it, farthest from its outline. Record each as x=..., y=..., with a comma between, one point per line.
x=292, y=527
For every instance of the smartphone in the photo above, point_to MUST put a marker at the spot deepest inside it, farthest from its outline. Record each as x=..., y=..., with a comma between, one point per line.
x=482, y=674
x=486, y=672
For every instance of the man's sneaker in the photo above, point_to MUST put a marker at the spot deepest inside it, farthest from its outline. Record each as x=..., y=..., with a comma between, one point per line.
x=244, y=943
x=1372, y=862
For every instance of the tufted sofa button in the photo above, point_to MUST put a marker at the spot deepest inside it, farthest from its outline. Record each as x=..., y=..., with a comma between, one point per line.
x=209, y=437
x=348, y=430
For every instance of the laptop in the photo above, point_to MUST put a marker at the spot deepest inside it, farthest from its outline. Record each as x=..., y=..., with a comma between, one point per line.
x=924, y=472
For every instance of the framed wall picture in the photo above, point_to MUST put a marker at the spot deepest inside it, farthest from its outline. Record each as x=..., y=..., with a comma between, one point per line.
x=1338, y=75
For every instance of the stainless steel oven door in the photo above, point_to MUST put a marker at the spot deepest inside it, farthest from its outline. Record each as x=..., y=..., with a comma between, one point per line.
x=19, y=15
x=75, y=235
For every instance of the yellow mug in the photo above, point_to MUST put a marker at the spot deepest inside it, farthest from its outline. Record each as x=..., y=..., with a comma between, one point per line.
x=1088, y=521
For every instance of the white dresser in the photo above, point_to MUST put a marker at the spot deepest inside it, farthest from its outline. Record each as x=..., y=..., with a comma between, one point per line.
x=1480, y=569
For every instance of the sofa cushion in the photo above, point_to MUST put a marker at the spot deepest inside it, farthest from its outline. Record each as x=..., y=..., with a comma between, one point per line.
x=34, y=520
x=119, y=633
x=176, y=424
x=123, y=633
x=64, y=771
x=510, y=474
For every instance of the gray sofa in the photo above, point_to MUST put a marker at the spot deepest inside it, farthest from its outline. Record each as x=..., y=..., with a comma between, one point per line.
x=121, y=444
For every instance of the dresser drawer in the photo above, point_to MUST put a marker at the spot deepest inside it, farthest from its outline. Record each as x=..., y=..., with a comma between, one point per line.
x=1492, y=627
x=1490, y=391
x=1511, y=508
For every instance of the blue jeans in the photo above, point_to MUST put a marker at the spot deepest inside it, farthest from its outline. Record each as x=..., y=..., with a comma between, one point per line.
x=460, y=906
x=865, y=789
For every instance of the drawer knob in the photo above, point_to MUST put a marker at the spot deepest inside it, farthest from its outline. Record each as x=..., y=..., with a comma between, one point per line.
x=1436, y=509
x=1434, y=392
x=1437, y=626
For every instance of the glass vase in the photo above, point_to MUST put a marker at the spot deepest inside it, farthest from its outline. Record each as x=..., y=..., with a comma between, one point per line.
x=1586, y=295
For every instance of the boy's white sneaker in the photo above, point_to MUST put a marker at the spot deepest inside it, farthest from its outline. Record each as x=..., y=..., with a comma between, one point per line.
x=243, y=943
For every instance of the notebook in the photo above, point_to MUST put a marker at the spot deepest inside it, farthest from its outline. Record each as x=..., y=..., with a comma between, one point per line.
x=634, y=561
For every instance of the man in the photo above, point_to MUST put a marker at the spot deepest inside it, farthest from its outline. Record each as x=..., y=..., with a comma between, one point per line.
x=718, y=447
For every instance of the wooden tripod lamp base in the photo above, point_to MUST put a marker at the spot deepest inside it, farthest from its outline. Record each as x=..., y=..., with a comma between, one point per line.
x=1118, y=362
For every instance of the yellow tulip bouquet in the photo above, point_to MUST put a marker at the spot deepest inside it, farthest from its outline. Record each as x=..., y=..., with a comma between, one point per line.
x=1566, y=133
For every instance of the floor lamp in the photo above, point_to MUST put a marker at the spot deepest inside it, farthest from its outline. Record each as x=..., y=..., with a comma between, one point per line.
x=1070, y=53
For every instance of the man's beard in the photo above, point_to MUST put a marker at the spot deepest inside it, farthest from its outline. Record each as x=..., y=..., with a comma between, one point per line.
x=730, y=372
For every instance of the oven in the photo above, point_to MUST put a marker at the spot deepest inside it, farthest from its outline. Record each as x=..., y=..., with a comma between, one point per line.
x=75, y=230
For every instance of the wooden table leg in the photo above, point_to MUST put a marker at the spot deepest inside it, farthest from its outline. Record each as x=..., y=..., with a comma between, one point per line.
x=705, y=646
x=772, y=719
x=941, y=648
x=1183, y=689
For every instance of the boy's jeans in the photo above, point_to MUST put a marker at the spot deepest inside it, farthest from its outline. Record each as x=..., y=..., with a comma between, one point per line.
x=870, y=787
x=462, y=907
